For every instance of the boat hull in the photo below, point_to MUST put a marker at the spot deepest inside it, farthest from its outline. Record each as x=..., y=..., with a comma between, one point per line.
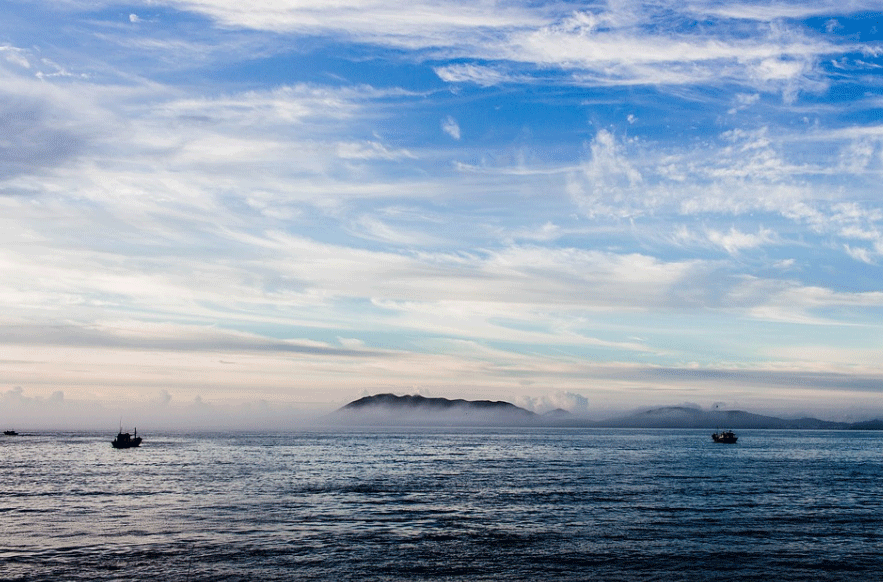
x=127, y=445
x=126, y=441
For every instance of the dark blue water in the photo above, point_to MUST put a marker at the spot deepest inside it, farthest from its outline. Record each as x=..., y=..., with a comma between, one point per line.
x=468, y=504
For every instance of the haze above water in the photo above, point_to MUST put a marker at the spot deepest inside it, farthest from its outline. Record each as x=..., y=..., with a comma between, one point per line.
x=387, y=410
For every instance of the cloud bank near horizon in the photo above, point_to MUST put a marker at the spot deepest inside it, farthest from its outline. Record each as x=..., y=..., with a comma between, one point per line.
x=501, y=200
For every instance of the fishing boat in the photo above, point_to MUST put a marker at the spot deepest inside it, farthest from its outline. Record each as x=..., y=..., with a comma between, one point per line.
x=10, y=433
x=726, y=436
x=126, y=441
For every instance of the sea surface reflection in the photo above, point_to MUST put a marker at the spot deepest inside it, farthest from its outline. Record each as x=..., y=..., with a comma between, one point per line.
x=464, y=504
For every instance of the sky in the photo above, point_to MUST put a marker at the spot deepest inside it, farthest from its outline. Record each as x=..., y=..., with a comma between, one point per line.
x=283, y=206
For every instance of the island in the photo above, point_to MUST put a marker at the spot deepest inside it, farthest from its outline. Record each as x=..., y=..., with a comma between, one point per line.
x=416, y=410
x=389, y=409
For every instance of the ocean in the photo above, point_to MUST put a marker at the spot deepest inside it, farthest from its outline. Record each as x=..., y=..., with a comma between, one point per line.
x=458, y=504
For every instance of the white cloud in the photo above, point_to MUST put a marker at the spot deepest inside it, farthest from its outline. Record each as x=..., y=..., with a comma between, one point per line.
x=571, y=402
x=749, y=172
x=743, y=101
x=376, y=229
x=15, y=56
x=351, y=343
x=735, y=240
x=369, y=150
x=859, y=254
x=614, y=44
x=412, y=24
x=546, y=232
x=607, y=180
x=788, y=301
x=470, y=73
x=451, y=127
x=770, y=12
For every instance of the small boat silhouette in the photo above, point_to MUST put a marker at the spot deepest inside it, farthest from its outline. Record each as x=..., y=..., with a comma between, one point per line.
x=727, y=436
x=126, y=441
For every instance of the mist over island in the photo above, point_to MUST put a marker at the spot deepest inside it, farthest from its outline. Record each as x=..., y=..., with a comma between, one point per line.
x=415, y=410
x=24, y=413
x=409, y=410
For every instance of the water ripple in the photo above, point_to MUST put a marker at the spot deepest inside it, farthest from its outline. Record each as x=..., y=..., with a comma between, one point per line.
x=480, y=505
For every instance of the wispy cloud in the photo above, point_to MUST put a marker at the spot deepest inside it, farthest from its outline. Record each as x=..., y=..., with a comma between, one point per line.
x=734, y=240
x=474, y=73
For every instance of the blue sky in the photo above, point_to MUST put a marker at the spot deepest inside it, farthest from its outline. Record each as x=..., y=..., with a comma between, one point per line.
x=289, y=205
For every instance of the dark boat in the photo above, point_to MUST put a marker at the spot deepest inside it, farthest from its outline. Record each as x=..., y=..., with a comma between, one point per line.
x=727, y=436
x=126, y=441
x=10, y=433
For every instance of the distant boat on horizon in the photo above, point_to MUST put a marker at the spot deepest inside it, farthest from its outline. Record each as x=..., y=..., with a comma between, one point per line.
x=126, y=441
x=726, y=437
x=10, y=433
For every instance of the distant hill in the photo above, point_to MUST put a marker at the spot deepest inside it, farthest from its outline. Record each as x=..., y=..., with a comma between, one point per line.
x=413, y=410
x=686, y=417
x=875, y=424
x=419, y=410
